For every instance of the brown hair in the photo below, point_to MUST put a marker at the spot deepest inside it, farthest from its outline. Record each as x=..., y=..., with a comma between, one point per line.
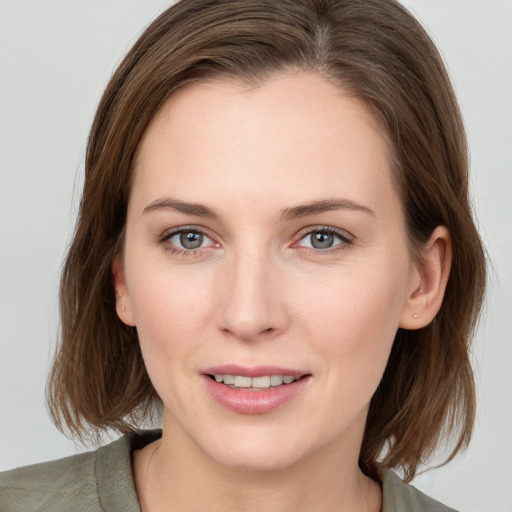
x=372, y=49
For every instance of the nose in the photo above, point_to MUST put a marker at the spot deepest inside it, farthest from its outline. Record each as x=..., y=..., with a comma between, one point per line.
x=252, y=297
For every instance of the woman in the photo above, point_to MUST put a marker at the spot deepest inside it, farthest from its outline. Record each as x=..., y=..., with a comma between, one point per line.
x=273, y=243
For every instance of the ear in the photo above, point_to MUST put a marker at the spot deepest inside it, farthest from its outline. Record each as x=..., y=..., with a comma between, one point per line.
x=428, y=282
x=123, y=304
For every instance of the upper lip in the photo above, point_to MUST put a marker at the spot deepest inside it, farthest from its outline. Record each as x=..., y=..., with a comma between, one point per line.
x=254, y=371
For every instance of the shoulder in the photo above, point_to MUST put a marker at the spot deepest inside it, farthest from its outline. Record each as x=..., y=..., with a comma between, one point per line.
x=401, y=497
x=90, y=482
x=51, y=485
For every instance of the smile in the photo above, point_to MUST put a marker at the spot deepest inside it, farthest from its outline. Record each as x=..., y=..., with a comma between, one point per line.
x=253, y=383
x=254, y=390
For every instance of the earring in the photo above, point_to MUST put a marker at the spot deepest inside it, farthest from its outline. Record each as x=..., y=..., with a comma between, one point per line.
x=123, y=307
x=415, y=315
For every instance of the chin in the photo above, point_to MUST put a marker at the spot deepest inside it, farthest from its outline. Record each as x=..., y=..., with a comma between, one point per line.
x=256, y=453
x=257, y=460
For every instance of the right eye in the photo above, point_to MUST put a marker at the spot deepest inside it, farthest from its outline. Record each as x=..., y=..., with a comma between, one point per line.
x=188, y=240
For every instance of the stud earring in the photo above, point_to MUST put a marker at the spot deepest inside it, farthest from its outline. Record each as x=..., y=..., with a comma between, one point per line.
x=415, y=315
x=123, y=307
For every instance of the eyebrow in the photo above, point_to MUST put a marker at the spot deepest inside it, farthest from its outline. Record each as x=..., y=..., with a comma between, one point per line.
x=312, y=208
x=168, y=203
x=316, y=207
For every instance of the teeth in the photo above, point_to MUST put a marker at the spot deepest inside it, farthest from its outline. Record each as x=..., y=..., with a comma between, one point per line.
x=242, y=382
x=263, y=382
x=276, y=380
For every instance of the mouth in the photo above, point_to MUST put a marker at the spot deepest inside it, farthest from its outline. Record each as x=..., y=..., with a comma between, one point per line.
x=254, y=390
x=260, y=383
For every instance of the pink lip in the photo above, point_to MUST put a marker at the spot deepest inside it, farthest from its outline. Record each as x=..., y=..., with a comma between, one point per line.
x=253, y=402
x=256, y=371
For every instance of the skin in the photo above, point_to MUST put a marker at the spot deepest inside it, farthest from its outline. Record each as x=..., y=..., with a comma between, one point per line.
x=257, y=293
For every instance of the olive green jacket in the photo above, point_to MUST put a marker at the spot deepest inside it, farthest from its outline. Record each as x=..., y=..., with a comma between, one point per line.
x=102, y=481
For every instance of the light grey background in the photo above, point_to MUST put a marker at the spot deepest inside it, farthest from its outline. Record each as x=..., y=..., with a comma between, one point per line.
x=55, y=59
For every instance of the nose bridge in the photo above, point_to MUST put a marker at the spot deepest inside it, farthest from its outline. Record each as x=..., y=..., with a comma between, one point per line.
x=251, y=302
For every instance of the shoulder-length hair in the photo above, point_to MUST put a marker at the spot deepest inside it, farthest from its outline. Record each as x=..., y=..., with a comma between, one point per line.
x=372, y=49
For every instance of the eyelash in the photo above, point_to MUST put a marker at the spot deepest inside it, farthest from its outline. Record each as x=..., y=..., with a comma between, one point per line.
x=346, y=240
x=164, y=239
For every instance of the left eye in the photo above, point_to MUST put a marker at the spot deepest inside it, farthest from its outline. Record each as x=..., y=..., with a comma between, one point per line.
x=190, y=239
x=322, y=239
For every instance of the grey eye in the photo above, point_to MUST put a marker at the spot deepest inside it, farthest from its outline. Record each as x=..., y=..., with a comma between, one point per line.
x=191, y=239
x=322, y=240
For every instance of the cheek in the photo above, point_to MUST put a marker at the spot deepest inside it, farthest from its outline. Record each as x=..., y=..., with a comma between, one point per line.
x=171, y=316
x=354, y=321
x=170, y=308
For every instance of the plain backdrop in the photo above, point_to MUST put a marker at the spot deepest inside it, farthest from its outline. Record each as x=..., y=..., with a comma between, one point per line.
x=55, y=59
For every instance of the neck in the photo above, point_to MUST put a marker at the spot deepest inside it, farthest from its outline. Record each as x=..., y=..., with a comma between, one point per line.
x=174, y=474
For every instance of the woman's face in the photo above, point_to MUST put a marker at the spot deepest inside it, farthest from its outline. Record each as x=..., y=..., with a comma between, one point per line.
x=265, y=239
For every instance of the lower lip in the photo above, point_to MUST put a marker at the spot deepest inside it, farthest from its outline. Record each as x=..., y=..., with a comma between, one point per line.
x=254, y=402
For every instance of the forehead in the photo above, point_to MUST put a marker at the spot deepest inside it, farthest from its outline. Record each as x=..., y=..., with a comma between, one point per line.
x=293, y=129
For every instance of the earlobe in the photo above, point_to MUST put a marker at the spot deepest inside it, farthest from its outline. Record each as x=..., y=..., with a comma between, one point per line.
x=430, y=282
x=123, y=304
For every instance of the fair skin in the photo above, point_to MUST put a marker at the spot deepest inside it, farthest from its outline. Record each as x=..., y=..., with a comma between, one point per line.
x=296, y=258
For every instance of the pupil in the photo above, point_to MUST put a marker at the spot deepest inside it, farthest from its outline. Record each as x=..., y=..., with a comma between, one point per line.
x=191, y=240
x=322, y=240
